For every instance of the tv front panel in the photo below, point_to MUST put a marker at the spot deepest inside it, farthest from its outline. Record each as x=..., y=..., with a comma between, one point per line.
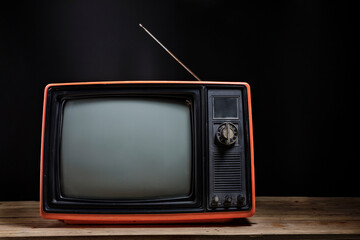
x=147, y=151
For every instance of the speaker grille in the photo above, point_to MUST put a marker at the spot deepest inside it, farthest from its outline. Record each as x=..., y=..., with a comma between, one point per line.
x=227, y=172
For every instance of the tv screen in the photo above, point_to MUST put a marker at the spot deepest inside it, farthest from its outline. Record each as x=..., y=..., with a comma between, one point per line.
x=126, y=148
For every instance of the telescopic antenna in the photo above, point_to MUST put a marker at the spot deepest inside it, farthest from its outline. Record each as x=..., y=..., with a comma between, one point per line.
x=187, y=69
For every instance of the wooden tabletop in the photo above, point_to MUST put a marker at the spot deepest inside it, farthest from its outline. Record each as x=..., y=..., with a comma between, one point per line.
x=275, y=218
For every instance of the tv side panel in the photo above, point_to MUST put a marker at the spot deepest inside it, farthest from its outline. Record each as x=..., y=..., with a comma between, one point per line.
x=229, y=150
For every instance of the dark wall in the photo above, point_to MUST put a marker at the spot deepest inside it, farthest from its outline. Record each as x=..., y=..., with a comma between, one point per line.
x=297, y=56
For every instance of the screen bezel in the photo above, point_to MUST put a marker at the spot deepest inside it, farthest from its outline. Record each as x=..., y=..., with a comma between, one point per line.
x=55, y=202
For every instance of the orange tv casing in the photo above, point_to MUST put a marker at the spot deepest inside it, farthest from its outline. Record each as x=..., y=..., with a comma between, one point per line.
x=73, y=218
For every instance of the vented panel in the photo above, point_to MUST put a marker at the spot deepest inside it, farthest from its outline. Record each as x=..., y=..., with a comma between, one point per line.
x=227, y=172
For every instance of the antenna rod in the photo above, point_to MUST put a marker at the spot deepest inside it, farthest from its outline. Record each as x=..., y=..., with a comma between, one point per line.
x=187, y=69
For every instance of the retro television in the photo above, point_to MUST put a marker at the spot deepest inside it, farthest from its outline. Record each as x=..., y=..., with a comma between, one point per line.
x=147, y=152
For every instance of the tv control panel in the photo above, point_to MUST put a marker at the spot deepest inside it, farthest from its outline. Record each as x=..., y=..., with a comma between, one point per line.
x=227, y=183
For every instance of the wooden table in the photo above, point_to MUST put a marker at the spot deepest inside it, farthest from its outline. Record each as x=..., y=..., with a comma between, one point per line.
x=275, y=218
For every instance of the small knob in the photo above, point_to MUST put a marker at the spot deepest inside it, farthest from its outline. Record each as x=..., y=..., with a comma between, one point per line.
x=227, y=200
x=227, y=133
x=241, y=201
x=215, y=201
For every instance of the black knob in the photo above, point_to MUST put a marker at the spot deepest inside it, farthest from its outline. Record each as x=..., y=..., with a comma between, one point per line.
x=227, y=133
x=227, y=200
x=215, y=201
x=240, y=201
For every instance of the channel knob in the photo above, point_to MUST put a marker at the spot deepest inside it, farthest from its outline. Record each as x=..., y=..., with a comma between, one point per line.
x=228, y=200
x=215, y=201
x=241, y=201
x=227, y=133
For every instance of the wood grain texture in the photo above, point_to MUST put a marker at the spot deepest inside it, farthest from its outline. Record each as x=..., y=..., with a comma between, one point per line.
x=275, y=218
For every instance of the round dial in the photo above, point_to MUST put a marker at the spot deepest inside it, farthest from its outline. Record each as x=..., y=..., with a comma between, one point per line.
x=227, y=133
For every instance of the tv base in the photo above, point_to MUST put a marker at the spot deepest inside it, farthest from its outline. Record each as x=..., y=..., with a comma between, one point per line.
x=89, y=222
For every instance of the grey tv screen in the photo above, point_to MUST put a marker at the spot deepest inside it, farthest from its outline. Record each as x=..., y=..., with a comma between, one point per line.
x=126, y=148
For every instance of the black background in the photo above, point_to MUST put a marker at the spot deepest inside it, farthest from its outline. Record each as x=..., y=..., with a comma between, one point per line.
x=298, y=57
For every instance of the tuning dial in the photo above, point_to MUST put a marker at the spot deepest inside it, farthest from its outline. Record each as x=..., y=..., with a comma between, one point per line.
x=227, y=133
